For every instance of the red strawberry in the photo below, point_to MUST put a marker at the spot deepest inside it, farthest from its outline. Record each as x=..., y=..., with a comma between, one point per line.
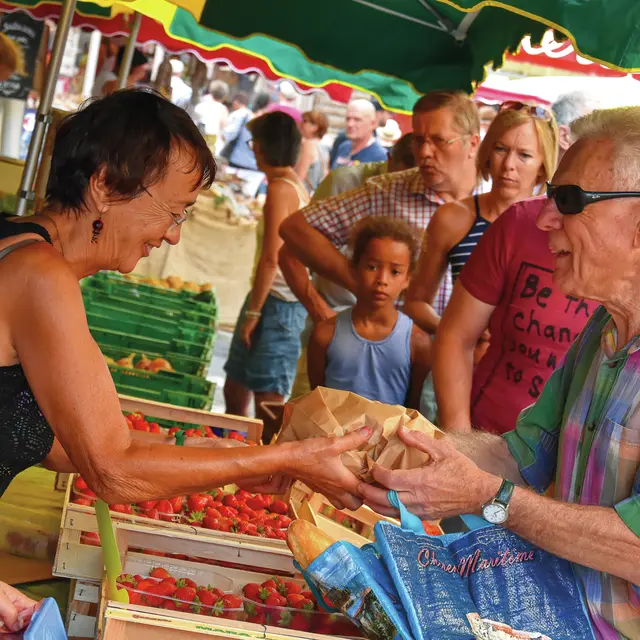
x=135, y=598
x=230, y=501
x=169, y=605
x=226, y=524
x=165, y=509
x=189, y=433
x=244, y=510
x=275, y=600
x=293, y=599
x=197, y=502
x=79, y=484
x=212, y=513
x=187, y=595
x=287, y=587
x=342, y=627
x=231, y=602
x=280, y=507
x=252, y=591
x=146, y=584
x=121, y=508
x=283, y=521
x=85, y=502
x=207, y=600
x=281, y=534
x=272, y=583
x=234, y=435
x=308, y=595
x=177, y=503
x=300, y=622
x=186, y=582
x=174, y=430
x=228, y=512
x=154, y=427
x=269, y=532
x=211, y=523
x=243, y=495
x=159, y=572
x=259, y=618
x=256, y=503
x=127, y=579
x=268, y=499
x=165, y=588
x=152, y=514
x=147, y=504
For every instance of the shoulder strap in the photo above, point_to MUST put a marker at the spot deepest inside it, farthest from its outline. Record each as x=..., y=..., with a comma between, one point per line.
x=477, y=202
x=303, y=196
x=23, y=243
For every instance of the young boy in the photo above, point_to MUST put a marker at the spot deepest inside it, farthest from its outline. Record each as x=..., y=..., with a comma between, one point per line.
x=373, y=349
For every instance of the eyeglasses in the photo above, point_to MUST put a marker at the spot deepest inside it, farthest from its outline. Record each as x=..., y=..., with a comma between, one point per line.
x=571, y=199
x=435, y=141
x=177, y=218
x=534, y=110
x=250, y=144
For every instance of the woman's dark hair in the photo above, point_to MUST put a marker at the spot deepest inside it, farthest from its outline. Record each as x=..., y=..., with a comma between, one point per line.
x=131, y=135
x=279, y=138
x=373, y=227
x=137, y=60
x=261, y=101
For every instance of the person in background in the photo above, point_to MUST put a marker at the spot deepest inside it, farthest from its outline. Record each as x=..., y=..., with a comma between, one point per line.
x=566, y=109
x=260, y=104
x=488, y=114
x=322, y=298
x=373, y=349
x=237, y=138
x=181, y=92
x=266, y=343
x=287, y=101
x=211, y=114
x=575, y=452
x=361, y=144
x=137, y=74
x=313, y=164
x=388, y=134
x=518, y=154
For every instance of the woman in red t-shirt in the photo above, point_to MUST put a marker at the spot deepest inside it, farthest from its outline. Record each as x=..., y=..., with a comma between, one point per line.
x=506, y=285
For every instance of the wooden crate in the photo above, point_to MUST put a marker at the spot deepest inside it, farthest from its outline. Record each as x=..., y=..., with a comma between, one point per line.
x=251, y=427
x=123, y=621
x=82, y=612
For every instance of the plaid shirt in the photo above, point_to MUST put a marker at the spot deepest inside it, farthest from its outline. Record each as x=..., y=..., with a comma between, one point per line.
x=398, y=195
x=585, y=430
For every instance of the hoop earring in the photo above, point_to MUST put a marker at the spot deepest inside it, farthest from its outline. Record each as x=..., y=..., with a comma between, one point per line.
x=97, y=226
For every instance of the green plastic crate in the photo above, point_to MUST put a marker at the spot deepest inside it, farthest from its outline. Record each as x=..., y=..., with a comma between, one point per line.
x=172, y=380
x=167, y=396
x=142, y=344
x=184, y=364
x=136, y=325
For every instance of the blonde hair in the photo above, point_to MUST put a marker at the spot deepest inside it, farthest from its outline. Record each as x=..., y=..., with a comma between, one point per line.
x=546, y=130
x=11, y=55
x=465, y=111
x=622, y=127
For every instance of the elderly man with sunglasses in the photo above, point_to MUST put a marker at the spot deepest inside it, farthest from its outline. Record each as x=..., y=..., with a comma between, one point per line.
x=579, y=444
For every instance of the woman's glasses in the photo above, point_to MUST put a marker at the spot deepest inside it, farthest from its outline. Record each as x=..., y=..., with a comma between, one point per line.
x=534, y=110
x=571, y=199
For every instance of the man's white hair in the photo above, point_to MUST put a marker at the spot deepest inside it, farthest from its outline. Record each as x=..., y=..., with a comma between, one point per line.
x=622, y=127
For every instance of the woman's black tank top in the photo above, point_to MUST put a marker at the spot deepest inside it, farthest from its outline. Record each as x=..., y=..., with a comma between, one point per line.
x=25, y=436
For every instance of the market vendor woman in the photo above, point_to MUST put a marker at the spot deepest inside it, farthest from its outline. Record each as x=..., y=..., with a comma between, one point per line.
x=125, y=170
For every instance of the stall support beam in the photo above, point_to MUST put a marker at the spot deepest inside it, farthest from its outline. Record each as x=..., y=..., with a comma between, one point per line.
x=44, y=108
x=125, y=66
x=92, y=63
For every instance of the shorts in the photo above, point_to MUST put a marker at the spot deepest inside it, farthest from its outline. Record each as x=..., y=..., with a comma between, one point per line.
x=270, y=365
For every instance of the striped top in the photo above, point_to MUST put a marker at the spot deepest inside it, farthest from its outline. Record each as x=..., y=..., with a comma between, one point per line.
x=460, y=253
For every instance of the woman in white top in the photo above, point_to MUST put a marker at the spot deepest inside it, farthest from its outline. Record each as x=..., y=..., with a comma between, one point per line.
x=313, y=163
x=266, y=344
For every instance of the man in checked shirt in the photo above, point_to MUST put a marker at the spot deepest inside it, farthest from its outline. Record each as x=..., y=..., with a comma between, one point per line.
x=446, y=129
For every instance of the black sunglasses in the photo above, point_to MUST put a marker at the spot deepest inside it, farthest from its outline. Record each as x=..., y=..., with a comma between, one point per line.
x=571, y=199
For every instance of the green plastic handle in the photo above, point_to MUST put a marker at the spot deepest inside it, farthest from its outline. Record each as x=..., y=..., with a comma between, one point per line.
x=110, y=553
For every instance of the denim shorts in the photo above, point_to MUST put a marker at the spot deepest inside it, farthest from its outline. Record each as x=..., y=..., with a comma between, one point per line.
x=270, y=365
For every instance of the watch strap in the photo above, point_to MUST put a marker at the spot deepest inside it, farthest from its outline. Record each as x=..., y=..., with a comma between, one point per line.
x=505, y=492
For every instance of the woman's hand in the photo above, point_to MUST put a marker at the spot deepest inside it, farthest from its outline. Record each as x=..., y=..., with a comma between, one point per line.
x=317, y=463
x=449, y=484
x=248, y=327
x=15, y=609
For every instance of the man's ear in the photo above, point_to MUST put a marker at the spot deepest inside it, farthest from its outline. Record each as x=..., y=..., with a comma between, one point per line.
x=474, y=143
x=564, y=137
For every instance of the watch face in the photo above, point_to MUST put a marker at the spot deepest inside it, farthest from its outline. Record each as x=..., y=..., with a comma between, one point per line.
x=494, y=512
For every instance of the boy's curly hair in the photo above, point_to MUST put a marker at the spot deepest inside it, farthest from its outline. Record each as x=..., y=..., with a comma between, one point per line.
x=374, y=227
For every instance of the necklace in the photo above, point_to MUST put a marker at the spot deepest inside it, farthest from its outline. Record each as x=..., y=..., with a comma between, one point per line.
x=53, y=222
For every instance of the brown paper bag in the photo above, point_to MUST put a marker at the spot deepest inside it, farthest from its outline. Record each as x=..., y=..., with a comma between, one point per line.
x=325, y=412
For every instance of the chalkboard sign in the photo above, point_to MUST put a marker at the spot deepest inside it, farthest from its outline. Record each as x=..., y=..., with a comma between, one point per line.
x=27, y=33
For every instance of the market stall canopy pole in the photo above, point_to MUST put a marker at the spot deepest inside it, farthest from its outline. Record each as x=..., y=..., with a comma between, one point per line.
x=125, y=67
x=43, y=117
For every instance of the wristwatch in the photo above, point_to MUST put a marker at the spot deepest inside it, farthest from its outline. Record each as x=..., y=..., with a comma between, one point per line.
x=497, y=511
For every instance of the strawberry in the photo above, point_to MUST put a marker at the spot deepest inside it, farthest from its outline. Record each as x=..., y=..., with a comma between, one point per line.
x=258, y=618
x=256, y=503
x=154, y=427
x=300, y=622
x=84, y=502
x=287, y=587
x=269, y=532
x=135, y=598
x=252, y=591
x=283, y=521
x=186, y=582
x=174, y=430
x=226, y=524
x=272, y=583
x=268, y=499
x=209, y=522
x=342, y=627
x=146, y=584
x=121, y=508
x=147, y=504
x=305, y=604
x=235, y=435
x=281, y=534
x=231, y=602
x=165, y=588
x=275, y=600
x=247, y=511
x=189, y=433
x=152, y=514
x=280, y=507
x=165, y=509
x=308, y=595
x=195, y=518
x=208, y=432
x=197, y=502
x=230, y=501
x=212, y=512
x=177, y=503
x=79, y=484
x=127, y=579
x=186, y=595
x=228, y=512
x=169, y=605
x=243, y=495
x=159, y=572
x=129, y=423
x=207, y=600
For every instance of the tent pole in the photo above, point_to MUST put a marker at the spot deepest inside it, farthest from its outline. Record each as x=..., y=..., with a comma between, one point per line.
x=125, y=66
x=43, y=115
x=92, y=63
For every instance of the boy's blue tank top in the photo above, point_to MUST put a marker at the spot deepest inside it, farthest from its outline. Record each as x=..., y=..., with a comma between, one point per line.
x=375, y=370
